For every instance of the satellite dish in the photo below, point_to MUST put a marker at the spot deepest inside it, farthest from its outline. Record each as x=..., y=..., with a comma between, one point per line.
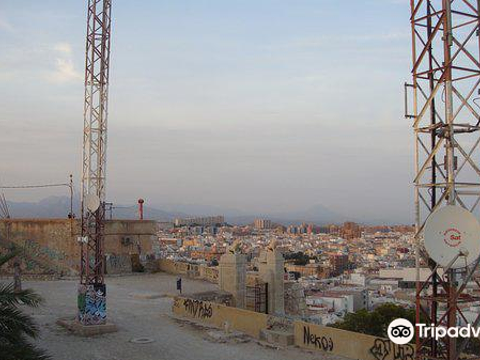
x=449, y=231
x=92, y=202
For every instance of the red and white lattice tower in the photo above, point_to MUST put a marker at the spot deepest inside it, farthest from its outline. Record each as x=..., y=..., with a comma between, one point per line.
x=92, y=292
x=446, y=119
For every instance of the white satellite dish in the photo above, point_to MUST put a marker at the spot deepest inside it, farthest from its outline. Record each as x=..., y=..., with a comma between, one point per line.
x=449, y=231
x=92, y=202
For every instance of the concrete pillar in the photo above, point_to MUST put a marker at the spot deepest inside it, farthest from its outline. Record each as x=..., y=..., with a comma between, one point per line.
x=271, y=270
x=232, y=275
x=295, y=303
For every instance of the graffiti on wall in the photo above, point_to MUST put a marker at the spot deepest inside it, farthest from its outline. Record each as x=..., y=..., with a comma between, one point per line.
x=211, y=274
x=36, y=251
x=385, y=349
x=116, y=263
x=177, y=303
x=324, y=343
x=198, y=309
x=370, y=347
x=92, y=304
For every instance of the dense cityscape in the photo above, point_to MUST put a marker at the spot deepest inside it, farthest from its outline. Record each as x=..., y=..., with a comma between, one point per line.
x=341, y=268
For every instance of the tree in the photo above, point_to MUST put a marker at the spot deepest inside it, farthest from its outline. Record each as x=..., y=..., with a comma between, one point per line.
x=299, y=258
x=17, y=328
x=375, y=322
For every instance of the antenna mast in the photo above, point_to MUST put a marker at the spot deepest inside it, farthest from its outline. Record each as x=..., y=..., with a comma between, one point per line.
x=446, y=80
x=92, y=291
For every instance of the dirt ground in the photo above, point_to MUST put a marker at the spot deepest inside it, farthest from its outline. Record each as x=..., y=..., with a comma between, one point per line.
x=141, y=308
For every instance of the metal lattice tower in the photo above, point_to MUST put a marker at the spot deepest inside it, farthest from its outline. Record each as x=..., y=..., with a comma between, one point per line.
x=95, y=140
x=446, y=118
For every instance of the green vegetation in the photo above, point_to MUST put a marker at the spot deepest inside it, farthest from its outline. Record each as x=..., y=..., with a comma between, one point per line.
x=299, y=258
x=17, y=328
x=375, y=322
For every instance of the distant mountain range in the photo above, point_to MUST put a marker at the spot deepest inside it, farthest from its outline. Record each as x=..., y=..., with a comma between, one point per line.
x=59, y=207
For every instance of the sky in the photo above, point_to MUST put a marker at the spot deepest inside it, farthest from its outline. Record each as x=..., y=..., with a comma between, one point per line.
x=259, y=105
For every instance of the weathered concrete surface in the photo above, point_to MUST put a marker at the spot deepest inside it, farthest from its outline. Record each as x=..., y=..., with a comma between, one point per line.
x=232, y=274
x=49, y=246
x=271, y=270
x=192, y=271
x=73, y=325
x=141, y=318
x=221, y=316
x=284, y=338
x=348, y=344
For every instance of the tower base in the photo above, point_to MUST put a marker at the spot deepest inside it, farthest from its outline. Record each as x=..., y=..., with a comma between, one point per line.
x=72, y=324
x=92, y=304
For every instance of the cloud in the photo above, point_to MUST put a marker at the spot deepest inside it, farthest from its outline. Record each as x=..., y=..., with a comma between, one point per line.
x=5, y=25
x=64, y=67
x=64, y=48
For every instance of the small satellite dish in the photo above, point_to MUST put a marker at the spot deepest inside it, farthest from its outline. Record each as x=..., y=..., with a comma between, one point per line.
x=449, y=231
x=92, y=202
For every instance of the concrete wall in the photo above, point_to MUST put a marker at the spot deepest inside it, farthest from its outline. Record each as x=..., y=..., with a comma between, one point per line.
x=172, y=267
x=308, y=336
x=217, y=315
x=199, y=272
x=349, y=344
x=209, y=274
x=49, y=246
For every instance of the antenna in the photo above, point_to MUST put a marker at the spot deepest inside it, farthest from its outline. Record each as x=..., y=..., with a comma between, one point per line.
x=92, y=202
x=452, y=232
x=446, y=78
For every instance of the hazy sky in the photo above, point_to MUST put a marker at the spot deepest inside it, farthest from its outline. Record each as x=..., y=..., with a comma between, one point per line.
x=259, y=105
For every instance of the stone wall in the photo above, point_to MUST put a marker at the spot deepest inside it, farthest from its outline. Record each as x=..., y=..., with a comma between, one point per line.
x=349, y=344
x=221, y=316
x=192, y=271
x=49, y=246
x=308, y=336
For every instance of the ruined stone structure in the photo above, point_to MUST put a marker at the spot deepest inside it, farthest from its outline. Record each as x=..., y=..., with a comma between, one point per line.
x=232, y=276
x=271, y=270
x=295, y=302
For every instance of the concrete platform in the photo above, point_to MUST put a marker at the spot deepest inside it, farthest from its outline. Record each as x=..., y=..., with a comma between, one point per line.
x=279, y=337
x=72, y=325
x=141, y=319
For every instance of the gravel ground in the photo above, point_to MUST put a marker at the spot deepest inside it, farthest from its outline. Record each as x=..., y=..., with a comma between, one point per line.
x=138, y=316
